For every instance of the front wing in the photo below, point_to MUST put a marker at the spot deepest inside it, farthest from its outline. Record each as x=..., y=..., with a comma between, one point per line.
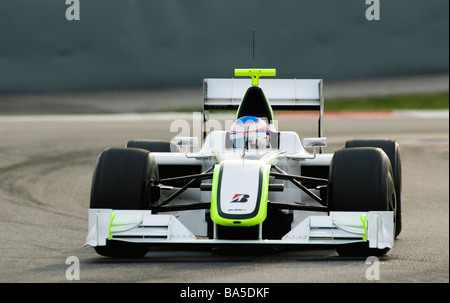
x=141, y=226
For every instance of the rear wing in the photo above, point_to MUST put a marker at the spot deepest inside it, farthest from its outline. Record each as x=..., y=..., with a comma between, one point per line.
x=283, y=95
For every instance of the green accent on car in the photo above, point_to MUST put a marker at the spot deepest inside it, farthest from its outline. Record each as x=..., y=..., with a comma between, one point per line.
x=364, y=222
x=113, y=215
x=217, y=156
x=273, y=158
x=215, y=184
x=255, y=73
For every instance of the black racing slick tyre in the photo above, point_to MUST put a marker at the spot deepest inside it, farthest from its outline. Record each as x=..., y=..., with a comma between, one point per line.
x=392, y=150
x=360, y=179
x=121, y=179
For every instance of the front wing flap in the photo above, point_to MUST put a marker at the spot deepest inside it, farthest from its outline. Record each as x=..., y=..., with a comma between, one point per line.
x=141, y=226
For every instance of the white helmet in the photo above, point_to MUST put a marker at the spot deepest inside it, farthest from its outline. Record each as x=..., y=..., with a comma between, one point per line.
x=250, y=132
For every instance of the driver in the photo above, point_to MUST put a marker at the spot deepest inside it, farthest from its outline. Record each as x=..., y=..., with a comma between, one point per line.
x=250, y=132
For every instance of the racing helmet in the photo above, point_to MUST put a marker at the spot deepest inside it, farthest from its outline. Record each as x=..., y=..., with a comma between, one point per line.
x=250, y=132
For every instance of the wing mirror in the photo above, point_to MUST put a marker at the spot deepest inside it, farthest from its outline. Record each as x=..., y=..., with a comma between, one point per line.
x=315, y=142
x=186, y=141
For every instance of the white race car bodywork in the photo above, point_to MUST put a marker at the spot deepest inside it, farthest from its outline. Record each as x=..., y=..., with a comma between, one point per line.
x=241, y=176
x=190, y=227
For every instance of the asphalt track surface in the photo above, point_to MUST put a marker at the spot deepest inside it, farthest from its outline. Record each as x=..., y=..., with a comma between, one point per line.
x=46, y=166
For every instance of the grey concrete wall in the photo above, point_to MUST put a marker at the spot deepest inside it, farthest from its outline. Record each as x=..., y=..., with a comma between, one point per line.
x=144, y=44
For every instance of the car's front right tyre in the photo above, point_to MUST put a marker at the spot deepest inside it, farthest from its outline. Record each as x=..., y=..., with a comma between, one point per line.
x=121, y=181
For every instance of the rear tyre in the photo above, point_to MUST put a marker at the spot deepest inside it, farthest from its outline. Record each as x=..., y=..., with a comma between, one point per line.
x=121, y=181
x=361, y=180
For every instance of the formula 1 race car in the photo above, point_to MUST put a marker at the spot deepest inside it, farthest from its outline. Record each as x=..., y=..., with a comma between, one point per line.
x=251, y=185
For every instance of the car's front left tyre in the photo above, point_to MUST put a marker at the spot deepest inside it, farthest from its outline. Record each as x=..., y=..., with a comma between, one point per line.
x=361, y=179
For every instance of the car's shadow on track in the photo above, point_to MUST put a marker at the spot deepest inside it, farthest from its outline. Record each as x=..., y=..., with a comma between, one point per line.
x=228, y=255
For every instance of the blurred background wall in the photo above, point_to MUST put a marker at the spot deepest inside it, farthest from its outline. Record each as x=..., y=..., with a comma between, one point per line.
x=144, y=44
